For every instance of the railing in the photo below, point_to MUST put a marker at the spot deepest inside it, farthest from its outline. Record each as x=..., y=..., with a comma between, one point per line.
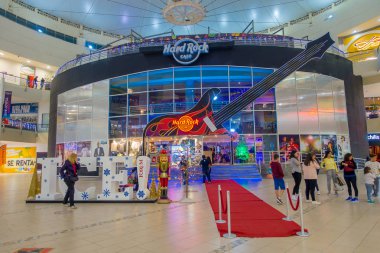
x=131, y=48
x=26, y=126
x=28, y=84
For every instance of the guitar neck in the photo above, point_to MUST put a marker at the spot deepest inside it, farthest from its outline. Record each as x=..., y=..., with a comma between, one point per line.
x=265, y=85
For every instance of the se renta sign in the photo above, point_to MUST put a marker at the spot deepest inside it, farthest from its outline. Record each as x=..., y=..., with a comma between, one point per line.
x=186, y=51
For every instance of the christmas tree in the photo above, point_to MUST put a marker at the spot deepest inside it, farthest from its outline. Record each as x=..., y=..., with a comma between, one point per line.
x=241, y=151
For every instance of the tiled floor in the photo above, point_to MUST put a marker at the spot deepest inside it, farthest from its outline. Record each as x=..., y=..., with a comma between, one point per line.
x=335, y=226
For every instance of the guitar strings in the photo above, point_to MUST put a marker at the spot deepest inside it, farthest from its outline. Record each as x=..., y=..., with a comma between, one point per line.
x=266, y=85
x=236, y=106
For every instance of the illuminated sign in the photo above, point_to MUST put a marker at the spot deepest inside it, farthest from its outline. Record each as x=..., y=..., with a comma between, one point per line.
x=185, y=123
x=373, y=42
x=373, y=137
x=185, y=51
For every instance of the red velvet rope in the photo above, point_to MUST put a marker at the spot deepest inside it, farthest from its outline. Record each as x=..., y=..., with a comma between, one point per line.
x=291, y=202
x=224, y=207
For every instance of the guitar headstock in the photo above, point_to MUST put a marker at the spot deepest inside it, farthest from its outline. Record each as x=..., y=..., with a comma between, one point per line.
x=325, y=42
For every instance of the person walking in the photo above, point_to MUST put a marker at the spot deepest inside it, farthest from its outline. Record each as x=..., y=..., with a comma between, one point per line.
x=183, y=165
x=278, y=178
x=310, y=167
x=329, y=165
x=348, y=166
x=375, y=170
x=69, y=173
x=205, y=169
x=319, y=168
x=295, y=164
x=369, y=178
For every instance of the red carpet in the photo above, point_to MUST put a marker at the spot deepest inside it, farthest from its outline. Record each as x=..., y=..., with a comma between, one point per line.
x=250, y=216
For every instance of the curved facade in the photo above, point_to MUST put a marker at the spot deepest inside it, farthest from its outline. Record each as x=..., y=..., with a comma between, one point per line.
x=306, y=108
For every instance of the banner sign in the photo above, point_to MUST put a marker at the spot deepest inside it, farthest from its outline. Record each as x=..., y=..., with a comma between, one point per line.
x=24, y=108
x=7, y=106
x=20, y=160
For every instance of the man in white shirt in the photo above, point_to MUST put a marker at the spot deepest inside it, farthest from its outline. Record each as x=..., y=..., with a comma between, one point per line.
x=375, y=168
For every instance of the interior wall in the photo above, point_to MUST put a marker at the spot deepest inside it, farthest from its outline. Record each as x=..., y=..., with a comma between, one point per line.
x=14, y=68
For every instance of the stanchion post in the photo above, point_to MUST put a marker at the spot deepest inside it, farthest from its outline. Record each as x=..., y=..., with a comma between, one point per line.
x=187, y=184
x=302, y=233
x=229, y=235
x=287, y=218
x=220, y=220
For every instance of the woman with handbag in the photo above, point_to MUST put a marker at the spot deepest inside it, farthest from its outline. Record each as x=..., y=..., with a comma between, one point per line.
x=310, y=167
x=295, y=164
x=69, y=173
x=348, y=166
x=331, y=169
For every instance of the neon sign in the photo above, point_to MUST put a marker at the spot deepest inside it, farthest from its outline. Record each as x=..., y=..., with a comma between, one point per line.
x=367, y=44
x=185, y=51
x=185, y=123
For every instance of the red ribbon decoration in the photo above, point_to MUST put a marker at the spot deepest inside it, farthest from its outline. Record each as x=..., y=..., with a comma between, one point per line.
x=291, y=202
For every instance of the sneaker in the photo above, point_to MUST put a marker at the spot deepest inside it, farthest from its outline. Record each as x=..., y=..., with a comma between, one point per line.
x=316, y=203
x=66, y=204
x=349, y=198
x=354, y=200
x=308, y=201
x=73, y=207
x=294, y=197
x=318, y=192
x=279, y=201
x=371, y=202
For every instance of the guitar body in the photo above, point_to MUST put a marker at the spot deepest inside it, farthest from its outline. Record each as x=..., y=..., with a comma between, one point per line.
x=187, y=123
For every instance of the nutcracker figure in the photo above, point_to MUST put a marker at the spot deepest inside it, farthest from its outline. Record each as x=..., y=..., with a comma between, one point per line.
x=163, y=171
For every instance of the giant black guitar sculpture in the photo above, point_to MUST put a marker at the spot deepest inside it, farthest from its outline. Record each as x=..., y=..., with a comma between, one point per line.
x=201, y=120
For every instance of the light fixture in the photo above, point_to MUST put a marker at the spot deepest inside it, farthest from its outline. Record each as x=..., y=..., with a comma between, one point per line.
x=48, y=66
x=39, y=30
x=330, y=16
x=183, y=12
x=28, y=61
x=232, y=130
x=90, y=46
x=215, y=97
x=2, y=54
x=354, y=31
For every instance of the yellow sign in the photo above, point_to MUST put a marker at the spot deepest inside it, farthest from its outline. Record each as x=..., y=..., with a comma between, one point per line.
x=20, y=160
x=362, y=42
x=185, y=123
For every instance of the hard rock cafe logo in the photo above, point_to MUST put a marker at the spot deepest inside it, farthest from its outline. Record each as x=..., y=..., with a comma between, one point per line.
x=185, y=123
x=185, y=51
x=367, y=44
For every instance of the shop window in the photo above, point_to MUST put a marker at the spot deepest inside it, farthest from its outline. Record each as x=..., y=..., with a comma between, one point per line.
x=243, y=123
x=136, y=125
x=119, y=85
x=214, y=76
x=117, y=127
x=137, y=103
x=240, y=77
x=244, y=149
x=137, y=82
x=161, y=101
x=219, y=100
x=259, y=74
x=266, y=101
x=186, y=99
x=118, y=105
x=266, y=143
x=160, y=79
x=118, y=147
x=218, y=148
x=265, y=122
x=187, y=78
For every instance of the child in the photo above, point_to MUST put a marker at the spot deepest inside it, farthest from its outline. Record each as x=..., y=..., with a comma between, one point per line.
x=369, y=178
x=375, y=168
x=278, y=177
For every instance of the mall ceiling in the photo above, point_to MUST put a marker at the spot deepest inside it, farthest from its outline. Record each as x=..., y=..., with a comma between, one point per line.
x=146, y=16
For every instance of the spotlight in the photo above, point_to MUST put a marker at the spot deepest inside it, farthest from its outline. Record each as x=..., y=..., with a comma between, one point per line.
x=232, y=130
x=215, y=97
x=330, y=16
x=90, y=47
x=39, y=30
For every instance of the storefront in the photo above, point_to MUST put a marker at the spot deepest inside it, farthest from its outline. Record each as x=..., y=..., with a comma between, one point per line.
x=374, y=144
x=307, y=111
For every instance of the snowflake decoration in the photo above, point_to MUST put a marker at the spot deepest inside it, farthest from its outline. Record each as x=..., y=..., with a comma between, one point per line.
x=107, y=172
x=85, y=195
x=106, y=193
x=117, y=196
x=126, y=194
x=141, y=194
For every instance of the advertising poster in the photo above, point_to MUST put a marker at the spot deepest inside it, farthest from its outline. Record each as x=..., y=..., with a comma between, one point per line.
x=343, y=145
x=59, y=151
x=311, y=144
x=329, y=144
x=288, y=143
x=25, y=115
x=99, y=148
x=69, y=148
x=20, y=160
x=3, y=154
x=7, y=107
x=84, y=149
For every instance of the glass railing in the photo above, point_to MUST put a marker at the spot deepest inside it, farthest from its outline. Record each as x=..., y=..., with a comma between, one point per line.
x=238, y=38
x=23, y=82
x=26, y=126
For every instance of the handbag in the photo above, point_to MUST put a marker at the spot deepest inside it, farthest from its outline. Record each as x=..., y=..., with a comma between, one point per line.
x=340, y=180
x=338, y=188
x=73, y=178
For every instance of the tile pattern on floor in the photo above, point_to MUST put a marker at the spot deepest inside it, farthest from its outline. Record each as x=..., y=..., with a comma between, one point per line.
x=335, y=225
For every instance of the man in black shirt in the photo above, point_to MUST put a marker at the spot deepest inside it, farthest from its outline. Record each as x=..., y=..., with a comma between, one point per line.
x=205, y=169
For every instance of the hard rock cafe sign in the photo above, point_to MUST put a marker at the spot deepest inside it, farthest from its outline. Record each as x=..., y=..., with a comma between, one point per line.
x=185, y=123
x=186, y=51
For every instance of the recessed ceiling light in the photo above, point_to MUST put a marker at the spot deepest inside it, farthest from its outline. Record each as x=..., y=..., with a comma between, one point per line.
x=330, y=16
x=354, y=31
x=2, y=54
x=48, y=66
x=28, y=61
x=39, y=30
